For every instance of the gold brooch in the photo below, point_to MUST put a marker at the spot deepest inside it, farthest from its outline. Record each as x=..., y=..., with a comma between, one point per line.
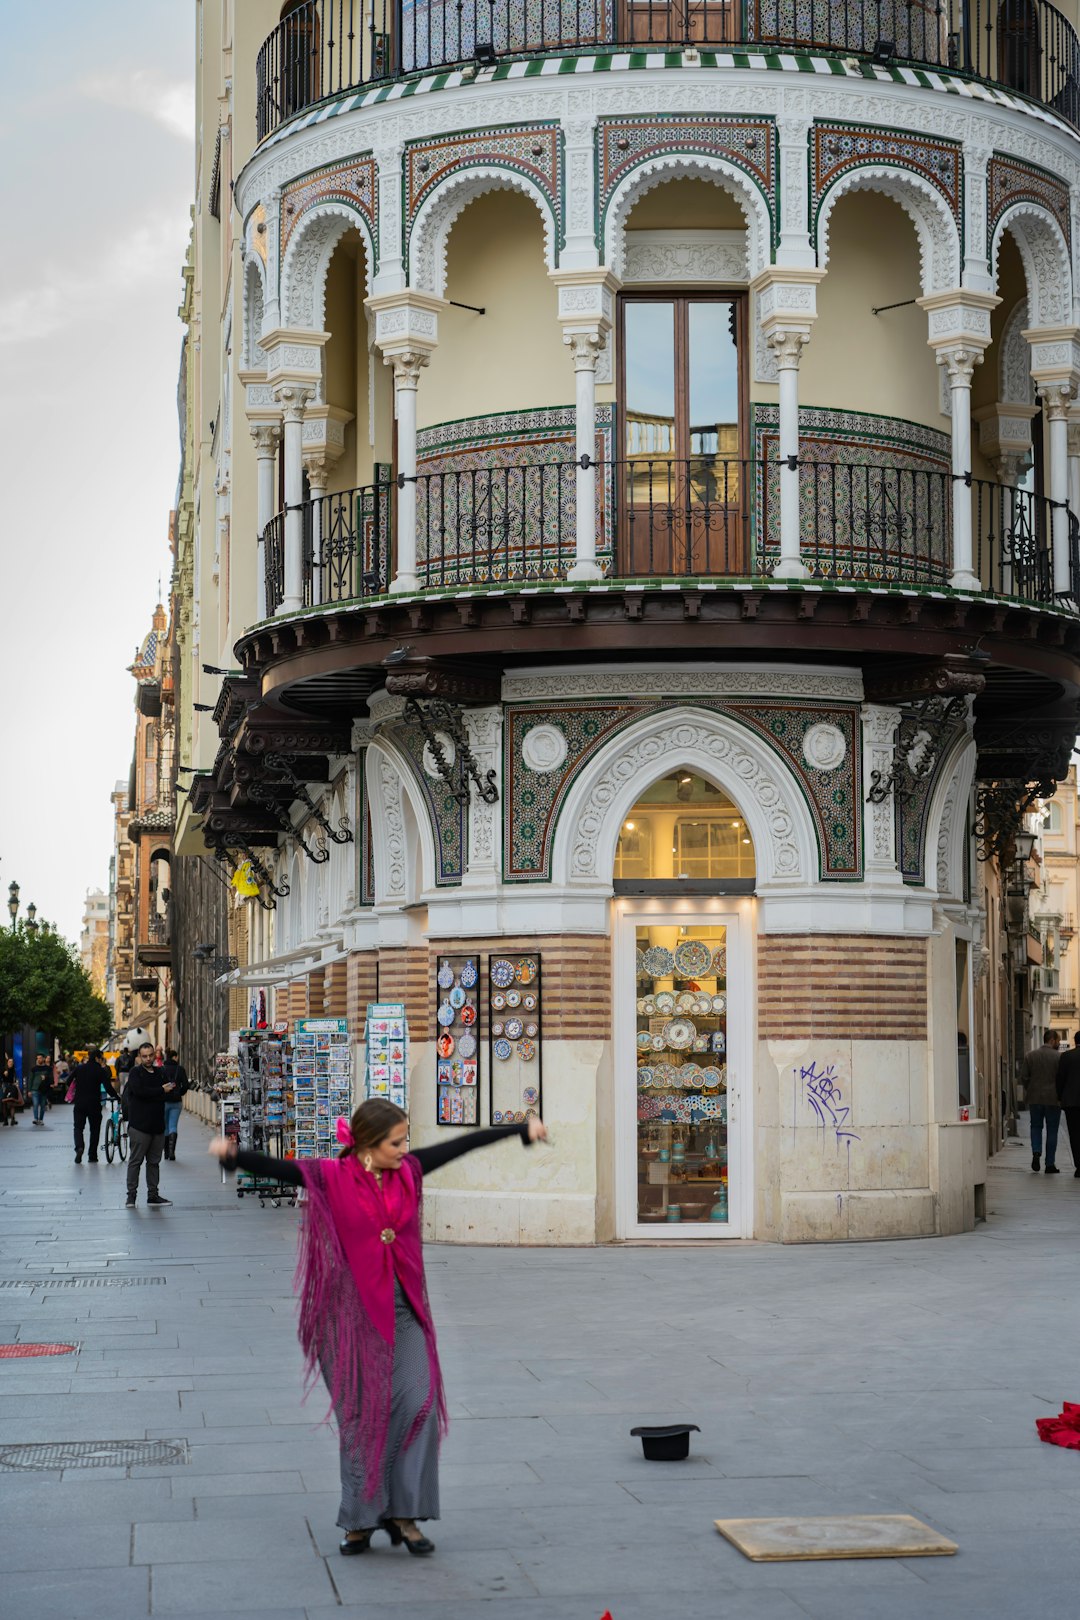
x=388, y=1234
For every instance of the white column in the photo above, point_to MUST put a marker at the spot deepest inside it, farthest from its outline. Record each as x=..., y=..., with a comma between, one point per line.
x=407, y=367
x=960, y=366
x=879, y=726
x=1074, y=465
x=293, y=400
x=267, y=437
x=318, y=476
x=585, y=347
x=1057, y=399
x=787, y=345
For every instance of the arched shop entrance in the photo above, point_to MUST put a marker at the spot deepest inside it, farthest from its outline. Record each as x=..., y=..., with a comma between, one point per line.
x=684, y=873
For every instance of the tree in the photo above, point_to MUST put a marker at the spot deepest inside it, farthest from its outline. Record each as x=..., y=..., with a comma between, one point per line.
x=43, y=985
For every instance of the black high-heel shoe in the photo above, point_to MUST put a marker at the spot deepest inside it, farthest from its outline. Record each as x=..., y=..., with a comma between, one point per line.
x=358, y=1543
x=419, y=1548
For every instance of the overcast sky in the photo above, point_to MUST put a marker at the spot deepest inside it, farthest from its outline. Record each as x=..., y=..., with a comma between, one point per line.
x=97, y=124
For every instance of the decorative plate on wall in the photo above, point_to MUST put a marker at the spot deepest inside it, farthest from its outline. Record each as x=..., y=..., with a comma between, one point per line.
x=692, y=957
x=665, y=1003
x=468, y=1013
x=525, y=970
x=446, y=1013
x=530, y=1095
x=529, y=1003
x=679, y=1033
x=526, y=1051
x=469, y=975
x=445, y=976
x=467, y=1045
x=644, y=1040
x=498, y=1002
x=496, y=1029
x=502, y=1050
x=658, y=961
x=532, y=1031
x=457, y=996
x=502, y=973
x=512, y=1029
x=445, y=1046
x=513, y=998
x=719, y=961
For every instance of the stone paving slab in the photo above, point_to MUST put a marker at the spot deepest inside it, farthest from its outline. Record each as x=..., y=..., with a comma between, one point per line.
x=889, y=1377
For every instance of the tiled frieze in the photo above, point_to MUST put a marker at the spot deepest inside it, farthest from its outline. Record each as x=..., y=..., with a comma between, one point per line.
x=1009, y=181
x=836, y=148
x=533, y=151
x=351, y=183
x=447, y=813
x=749, y=144
x=536, y=789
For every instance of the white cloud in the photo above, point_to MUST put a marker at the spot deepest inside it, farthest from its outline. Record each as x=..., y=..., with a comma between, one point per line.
x=169, y=102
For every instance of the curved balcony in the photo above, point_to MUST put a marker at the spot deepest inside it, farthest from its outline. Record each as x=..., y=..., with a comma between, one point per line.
x=326, y=48
x=709, y=519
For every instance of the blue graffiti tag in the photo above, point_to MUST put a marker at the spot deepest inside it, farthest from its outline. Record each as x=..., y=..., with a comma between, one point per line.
x=826, y=1099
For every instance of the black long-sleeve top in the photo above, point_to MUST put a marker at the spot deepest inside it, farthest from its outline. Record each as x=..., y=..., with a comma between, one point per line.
x=289, y=1174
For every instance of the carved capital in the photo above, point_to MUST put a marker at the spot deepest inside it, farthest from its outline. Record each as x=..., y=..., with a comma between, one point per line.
x=317, y=467
x=293, y=398
x=407, y=366
x=266, y=437
x=585, y=348
x=1058, y=399
x=959, y=364
x=787, y=344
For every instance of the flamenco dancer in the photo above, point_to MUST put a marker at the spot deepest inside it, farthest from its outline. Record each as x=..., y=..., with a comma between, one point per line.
x=365, y=1321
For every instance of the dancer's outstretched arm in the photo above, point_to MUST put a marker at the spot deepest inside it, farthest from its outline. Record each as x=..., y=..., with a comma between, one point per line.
x=432, y=1158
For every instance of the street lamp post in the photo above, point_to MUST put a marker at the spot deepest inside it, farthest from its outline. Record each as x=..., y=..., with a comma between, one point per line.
x=31, y=918
x=13, y=903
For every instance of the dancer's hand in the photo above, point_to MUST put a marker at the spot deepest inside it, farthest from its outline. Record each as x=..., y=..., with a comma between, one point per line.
x=538, y=1131
x=221, y=1148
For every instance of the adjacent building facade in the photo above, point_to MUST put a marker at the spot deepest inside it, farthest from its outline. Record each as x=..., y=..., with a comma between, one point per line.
x=94, y=939
x=632, y=571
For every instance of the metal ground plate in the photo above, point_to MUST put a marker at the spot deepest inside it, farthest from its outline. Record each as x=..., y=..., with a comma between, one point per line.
x=93, y=1454
x=82, y=1282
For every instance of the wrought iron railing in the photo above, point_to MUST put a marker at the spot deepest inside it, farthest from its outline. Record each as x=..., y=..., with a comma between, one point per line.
x=347, y=544
x=274, y=562
x=326, y=47
x=493, y=525
x=663, y=518
x=157, y=928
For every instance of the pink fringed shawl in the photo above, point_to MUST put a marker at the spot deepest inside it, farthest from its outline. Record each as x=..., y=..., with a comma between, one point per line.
x=345, y=1280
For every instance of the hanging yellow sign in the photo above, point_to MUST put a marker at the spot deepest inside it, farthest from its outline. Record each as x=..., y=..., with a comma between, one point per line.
x=243, y=881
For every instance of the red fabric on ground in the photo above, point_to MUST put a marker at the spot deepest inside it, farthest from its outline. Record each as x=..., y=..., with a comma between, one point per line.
x=1063, y=1430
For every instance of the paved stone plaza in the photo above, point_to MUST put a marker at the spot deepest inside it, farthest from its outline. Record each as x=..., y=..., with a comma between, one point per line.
x=888, y=1377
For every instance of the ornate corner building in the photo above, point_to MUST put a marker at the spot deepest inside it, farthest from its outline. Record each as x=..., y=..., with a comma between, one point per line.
x=636, y=470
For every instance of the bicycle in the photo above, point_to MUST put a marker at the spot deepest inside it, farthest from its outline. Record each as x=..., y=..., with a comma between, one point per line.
x=116, y=1135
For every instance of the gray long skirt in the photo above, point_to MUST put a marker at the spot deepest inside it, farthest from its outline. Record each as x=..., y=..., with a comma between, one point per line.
x=409, y=1488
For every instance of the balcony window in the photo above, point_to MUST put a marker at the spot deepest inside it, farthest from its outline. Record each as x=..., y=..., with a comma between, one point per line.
x=684, y=827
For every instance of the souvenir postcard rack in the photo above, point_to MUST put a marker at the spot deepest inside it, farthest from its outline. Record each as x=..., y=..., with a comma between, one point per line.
x=515, y=1068
x=386, y=1048
x=321, y=1084
x=457, y=1040
x=256, y=1115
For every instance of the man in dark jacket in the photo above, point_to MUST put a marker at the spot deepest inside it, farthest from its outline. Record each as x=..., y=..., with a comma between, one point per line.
x=88, y=1079
x=145, y=1095
x=1038, y=1076
x=172, y=1069
x=1068, y=1090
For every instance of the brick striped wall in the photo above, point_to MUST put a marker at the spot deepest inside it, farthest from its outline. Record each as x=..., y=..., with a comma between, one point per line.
x=575, y=971
x=335, y=998
x=844, y=987
x=362, y=979
x=403, y=976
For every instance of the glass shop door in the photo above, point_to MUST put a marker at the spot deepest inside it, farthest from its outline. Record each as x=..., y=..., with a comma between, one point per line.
x=686, y=1164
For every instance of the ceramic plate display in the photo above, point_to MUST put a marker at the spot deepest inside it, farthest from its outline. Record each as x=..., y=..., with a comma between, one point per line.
x=457, y=996
x=468, y=1013
x=719, y=961
x=502, y=1050
x=446, y=1013
x=529, y=1003
x=711, y=1077
x=446, y=1046
x=502, y=973
x=446, y=976
x=650, y=1006
x=513, y=998
x=645, y=1076
x=657, y=1042
x=512, y=1029
x=719, y=1004
x=467, y=1045
x=496, y=1029
x=639, y=962
x=692, y=957
x=685, y=1002
x=532, y=1031
x=496, y=1118
x=498, y=1002
x=530, y=1095
x=469, y=975
x=679, y=1033
x=526, y=1051
x=525, y=970
x=701, y=1043
x=658, y=962
x=644, y=1040
x=665, y=1003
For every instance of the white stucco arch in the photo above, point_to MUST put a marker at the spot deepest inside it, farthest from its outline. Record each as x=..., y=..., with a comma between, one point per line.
x=390, y=790
x=294, y=933
x=340, y=893
x=307, y=261
x=946, y=821
x=1015, y=386
x=1045, y=255
x=935, y=227
x=657, y=171
x=254, y=358
x=718, y=748
x=444, y=205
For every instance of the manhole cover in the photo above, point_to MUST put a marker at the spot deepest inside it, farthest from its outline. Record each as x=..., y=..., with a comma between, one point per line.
x=15, y=1352
x=93, y=1454
x=81, y=1282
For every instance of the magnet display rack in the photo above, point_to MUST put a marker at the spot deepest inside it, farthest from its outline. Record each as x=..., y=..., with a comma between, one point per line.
x=457, y=1040
x=386, y=1048
x=515, y=1062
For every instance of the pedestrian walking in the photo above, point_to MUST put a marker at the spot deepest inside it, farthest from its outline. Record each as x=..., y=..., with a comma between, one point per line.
x=40, y=1081
x=87, y=1079
x=145, y=1095
x=365, y=1321
x=10, y=1098
x=1039, y=1078
x=172, y=1069
x=1068, y=1092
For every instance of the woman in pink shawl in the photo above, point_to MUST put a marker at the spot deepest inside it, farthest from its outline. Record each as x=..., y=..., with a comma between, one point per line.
x=365, y=1322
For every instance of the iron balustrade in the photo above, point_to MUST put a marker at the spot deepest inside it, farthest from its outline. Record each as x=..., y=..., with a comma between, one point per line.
x=274, y=562
x=862, y=521
x=326, y=48
x=490, y=526
x=1013, y=544
x=347, y=544
x=683, y=516
x=157, y=928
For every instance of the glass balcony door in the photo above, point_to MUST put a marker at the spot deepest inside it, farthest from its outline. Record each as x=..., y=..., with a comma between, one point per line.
x=684, y=502
x=669, y=22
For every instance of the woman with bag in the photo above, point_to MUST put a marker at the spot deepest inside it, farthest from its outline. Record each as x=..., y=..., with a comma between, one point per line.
x=365, y=1322
x=172, y=1069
